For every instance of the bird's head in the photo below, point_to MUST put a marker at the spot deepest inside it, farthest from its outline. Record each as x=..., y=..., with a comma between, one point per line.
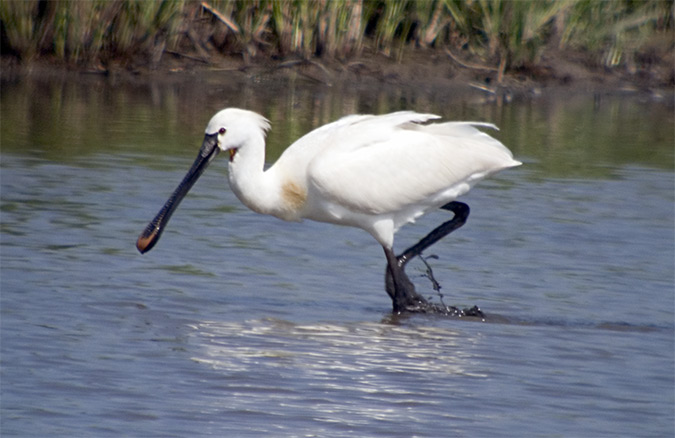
x=229, y=130
x=233, y=128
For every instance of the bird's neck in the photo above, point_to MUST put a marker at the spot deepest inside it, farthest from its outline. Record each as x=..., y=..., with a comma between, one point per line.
x=254, y=186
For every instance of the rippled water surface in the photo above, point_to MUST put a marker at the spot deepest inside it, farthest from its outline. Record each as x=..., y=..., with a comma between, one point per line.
x=241, y=325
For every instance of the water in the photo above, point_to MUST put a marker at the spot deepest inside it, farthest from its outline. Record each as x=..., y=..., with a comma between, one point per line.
x=241, y=325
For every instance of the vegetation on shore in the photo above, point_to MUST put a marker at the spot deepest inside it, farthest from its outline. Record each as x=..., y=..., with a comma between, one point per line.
x=497, y=35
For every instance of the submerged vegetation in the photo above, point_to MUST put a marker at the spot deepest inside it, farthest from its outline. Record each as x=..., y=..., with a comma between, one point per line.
x=498, y=35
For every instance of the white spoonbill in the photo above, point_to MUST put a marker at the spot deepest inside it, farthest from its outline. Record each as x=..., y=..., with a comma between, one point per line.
x=373, y=172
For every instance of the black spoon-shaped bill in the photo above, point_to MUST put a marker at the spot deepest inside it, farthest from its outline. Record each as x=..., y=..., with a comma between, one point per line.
x=149, y=237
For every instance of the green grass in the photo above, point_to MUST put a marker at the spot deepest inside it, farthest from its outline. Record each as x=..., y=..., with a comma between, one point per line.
x=503, y=34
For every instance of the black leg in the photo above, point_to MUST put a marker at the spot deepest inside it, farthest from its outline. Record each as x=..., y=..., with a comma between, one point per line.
x=397, y=284
x=399, y=287
x=461, y=211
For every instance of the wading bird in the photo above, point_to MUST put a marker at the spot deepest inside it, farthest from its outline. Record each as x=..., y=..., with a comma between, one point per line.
x=372, y=172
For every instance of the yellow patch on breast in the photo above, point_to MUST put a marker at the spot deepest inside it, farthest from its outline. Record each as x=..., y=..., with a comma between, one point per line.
x=293, y=195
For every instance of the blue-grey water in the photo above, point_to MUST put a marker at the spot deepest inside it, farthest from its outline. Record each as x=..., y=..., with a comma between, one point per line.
x=241, y=325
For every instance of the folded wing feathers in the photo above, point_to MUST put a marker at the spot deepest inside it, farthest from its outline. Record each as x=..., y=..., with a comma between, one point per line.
x=379, y=164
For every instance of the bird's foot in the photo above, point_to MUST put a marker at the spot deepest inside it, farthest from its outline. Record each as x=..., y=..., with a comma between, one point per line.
x=474, y=311
x=401, y=290
x=409, y=301
x=403, y=295
x=405, y=298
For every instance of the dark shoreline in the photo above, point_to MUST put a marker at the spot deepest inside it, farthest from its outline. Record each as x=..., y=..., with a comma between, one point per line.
x=420, y=69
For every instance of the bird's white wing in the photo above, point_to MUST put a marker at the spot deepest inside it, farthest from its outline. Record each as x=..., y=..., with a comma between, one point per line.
x=380, y=168
x=351, y=131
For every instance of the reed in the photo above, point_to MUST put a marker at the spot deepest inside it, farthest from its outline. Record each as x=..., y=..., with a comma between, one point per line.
x=84, y=31
x=625, y=27
x=507, y=33
x=20, y=24
x=500, y=33
x=332, y=28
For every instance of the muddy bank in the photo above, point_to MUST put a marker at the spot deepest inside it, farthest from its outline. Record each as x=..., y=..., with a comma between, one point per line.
x=423, y=69
x=420, y=69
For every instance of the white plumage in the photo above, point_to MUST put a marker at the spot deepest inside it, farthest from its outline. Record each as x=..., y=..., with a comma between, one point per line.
x=372, y=172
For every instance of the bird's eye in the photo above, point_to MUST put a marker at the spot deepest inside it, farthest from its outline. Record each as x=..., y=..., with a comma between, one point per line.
x=221, y=131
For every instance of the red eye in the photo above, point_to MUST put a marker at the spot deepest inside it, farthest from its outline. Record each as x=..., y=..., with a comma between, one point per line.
x=221, y=131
